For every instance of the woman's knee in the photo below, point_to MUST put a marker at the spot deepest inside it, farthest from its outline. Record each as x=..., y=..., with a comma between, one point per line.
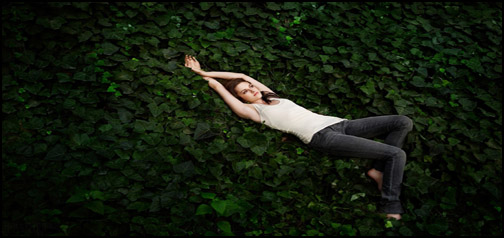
x=405, y=122
x=399, y=155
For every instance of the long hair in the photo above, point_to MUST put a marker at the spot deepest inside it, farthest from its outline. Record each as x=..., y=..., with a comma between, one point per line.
x=231, y=84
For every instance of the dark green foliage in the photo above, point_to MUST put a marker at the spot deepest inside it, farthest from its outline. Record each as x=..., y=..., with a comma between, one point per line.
x=105, y=132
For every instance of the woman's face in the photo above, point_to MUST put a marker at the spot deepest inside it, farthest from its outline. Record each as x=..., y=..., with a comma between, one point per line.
x=248, y=92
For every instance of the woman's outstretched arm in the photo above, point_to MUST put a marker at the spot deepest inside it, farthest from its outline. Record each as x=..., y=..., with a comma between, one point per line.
x=236, y=105
x=192, y=63
x=231, y=75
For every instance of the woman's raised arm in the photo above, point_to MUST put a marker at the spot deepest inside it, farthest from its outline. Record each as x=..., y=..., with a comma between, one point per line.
x=192, y=63
x=236, y=105
x=231, y=75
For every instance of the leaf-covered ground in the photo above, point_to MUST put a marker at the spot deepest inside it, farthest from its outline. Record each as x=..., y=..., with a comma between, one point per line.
x=105, y=132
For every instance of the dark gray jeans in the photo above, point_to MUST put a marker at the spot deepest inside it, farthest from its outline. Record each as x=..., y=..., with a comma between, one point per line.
x=349, y=139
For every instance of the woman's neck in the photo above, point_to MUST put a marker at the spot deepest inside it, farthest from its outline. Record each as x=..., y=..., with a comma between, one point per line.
x=260, y=101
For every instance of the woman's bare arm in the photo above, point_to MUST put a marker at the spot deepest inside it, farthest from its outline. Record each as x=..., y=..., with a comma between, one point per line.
x=232, y=75
x=192, y=63
x=236, y=105
x=218, y=74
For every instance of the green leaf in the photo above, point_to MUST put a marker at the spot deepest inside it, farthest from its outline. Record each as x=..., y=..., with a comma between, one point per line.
x=388, y=224
x=194, y=102
x=259, y=149
x=271, y=57
x=152, y=138
x=138, y=206
x=273, y=6
x=84, y=36
x=214, y=25
x=299, y=62
x=152, y=41
x=80, y=139
x=208, y=195
x=217, y=146
x=474, y=64
x=402, y=107
x=206, y=5
x=123, y=76
x=324, y=58
x=97, y=195
x=467, y=104
x=204, y=209
x=416, y=52
x=240, y=47
x=256, y=172
x=244, y=142
x=219, y=206
x=96, y=206
x=79, y=197
x=80, y=76
x=357, y=196
x=423, y=72
x=113, y=34
x=124, y=115
x=224, y=226
x=109, y=48
x=112, y=87
x=149, y=80
x=186, y=168
x=175, y=33
x=328, y=69
x=399, y=67
x=284, y=170
x=418, y=81
x=229, y=49
x=290, y=5
x=368, y=88
x=154, y=109
x=169, y=53
x=54, y=23
x=170, y=67
x=453, y=141
x=202, y=131
x=57, y=153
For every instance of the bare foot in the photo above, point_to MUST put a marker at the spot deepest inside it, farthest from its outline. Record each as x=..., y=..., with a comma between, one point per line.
x=377, y=176
x=396, y=216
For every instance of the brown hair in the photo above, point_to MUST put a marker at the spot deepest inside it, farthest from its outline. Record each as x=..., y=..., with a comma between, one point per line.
x=231, y=84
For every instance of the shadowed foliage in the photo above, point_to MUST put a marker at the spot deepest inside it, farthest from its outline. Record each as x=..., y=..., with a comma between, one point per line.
x=105, y=132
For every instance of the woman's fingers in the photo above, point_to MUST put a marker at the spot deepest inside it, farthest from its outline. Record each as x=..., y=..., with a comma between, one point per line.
x=191, y=62
x=188, y=62
x=195, y=63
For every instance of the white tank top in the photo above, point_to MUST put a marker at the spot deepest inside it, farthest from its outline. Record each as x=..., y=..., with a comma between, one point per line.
x=291, y=118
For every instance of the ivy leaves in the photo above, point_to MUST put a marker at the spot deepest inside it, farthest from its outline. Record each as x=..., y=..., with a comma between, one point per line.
x=96, y=93
x=257, y=142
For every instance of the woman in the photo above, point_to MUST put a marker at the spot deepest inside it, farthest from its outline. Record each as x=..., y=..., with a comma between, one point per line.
x=334, y=135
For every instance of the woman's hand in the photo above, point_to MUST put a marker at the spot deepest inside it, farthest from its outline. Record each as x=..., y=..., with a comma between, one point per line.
x=192, y=63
